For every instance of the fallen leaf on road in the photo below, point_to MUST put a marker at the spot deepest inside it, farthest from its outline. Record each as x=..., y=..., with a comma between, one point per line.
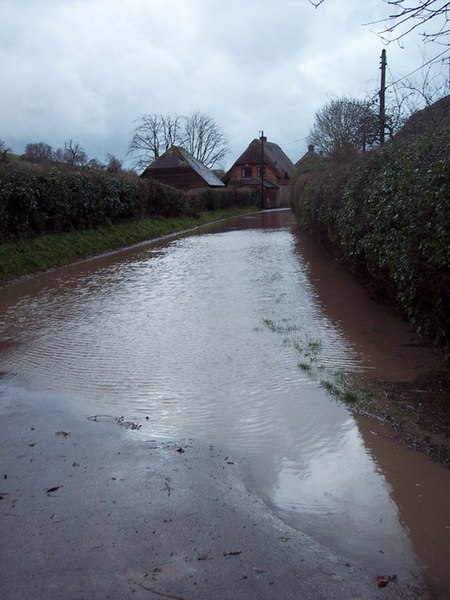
x=382, y=581
x=52, y=489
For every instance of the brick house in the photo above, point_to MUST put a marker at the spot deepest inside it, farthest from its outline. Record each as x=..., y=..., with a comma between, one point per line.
x=277, y=170
x=178, y=168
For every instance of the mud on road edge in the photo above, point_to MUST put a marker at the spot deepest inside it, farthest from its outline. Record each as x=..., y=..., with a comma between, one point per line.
x=416, y=414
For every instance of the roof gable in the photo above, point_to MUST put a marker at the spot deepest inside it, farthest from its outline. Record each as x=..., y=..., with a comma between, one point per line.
x=178, y=158
x=273, y=157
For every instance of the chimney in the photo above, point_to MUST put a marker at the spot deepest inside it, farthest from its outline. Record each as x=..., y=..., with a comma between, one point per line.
x=311, y=148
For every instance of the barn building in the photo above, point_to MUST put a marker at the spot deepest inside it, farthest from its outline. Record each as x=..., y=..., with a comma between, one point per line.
x=178, y=168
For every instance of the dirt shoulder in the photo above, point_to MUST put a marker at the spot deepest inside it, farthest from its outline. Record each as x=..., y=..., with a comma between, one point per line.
x=416, y=413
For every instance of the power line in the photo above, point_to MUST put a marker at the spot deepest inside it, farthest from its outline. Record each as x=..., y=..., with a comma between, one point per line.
x=418, y=68
x=375, y=96
x=293, y=142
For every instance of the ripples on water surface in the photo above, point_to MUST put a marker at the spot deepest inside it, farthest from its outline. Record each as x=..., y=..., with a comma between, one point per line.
x=203, y=334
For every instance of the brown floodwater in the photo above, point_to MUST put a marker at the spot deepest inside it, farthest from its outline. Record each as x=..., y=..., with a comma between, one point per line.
x=227, y=335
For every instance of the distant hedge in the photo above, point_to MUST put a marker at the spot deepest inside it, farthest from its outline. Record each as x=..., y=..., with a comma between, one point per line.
x=208, y=199
x=388, y=216
x=36, y=200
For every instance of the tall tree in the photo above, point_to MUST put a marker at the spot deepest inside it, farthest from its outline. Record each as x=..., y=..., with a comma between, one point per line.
x=73, y=154
x=204, y=140
x=344, y=125
x=197, y=133
x=153, y=136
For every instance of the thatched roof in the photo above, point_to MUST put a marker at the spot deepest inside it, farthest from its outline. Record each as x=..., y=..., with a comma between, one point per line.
x=274, y=157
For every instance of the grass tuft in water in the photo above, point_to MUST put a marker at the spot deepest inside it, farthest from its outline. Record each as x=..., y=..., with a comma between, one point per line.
x=350, y=390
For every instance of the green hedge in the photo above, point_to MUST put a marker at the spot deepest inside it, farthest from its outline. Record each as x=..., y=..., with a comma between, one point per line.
x=162, y=200
x=34, y=201
x=208, y=199
x=388, y=216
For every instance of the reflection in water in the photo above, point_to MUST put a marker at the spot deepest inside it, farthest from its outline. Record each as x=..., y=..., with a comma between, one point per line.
x=203, y=334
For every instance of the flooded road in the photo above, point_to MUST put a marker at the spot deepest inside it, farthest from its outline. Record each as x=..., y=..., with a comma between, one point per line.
x=228, y=336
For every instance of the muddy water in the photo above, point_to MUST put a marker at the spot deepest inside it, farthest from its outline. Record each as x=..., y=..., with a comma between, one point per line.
x=225, y=336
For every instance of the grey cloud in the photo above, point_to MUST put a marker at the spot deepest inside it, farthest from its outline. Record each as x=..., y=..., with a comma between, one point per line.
x=87, y=69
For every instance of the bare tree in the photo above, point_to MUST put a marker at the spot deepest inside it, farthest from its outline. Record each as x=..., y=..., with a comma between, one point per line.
x=344, y=125
x=204, y=140
x=39, y=153
x=425, y=89
x=113, y=165
x=153, y=136
x=198, y=134
x=4, y=151
x=73, y=154
x=409, y=15
x=412, y=93
x=413, y=14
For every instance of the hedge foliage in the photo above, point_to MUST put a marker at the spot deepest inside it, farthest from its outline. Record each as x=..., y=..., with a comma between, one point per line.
x=208, y=199
x=36, y=200
x=387, y=215
x=162, y=200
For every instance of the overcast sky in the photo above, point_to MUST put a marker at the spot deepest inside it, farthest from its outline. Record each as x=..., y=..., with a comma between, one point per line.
x=88, y=69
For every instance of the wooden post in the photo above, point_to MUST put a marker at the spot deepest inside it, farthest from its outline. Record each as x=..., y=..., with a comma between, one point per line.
x=382, y=97
x=262, y=170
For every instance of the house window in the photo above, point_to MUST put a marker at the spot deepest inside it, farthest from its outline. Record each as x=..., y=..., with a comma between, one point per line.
x=261, y=171
x=246, y=172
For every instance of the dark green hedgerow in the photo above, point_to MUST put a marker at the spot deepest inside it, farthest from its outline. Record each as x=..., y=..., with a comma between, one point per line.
x=36, y=201
x=209, y=199
x=161, y=200
x=168, y=202
x=388, y=216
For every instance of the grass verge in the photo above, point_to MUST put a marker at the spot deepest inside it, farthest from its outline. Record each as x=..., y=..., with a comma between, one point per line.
x=26, y=257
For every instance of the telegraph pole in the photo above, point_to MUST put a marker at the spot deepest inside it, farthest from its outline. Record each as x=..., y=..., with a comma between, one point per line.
x=382, y=97
x=262, y=170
